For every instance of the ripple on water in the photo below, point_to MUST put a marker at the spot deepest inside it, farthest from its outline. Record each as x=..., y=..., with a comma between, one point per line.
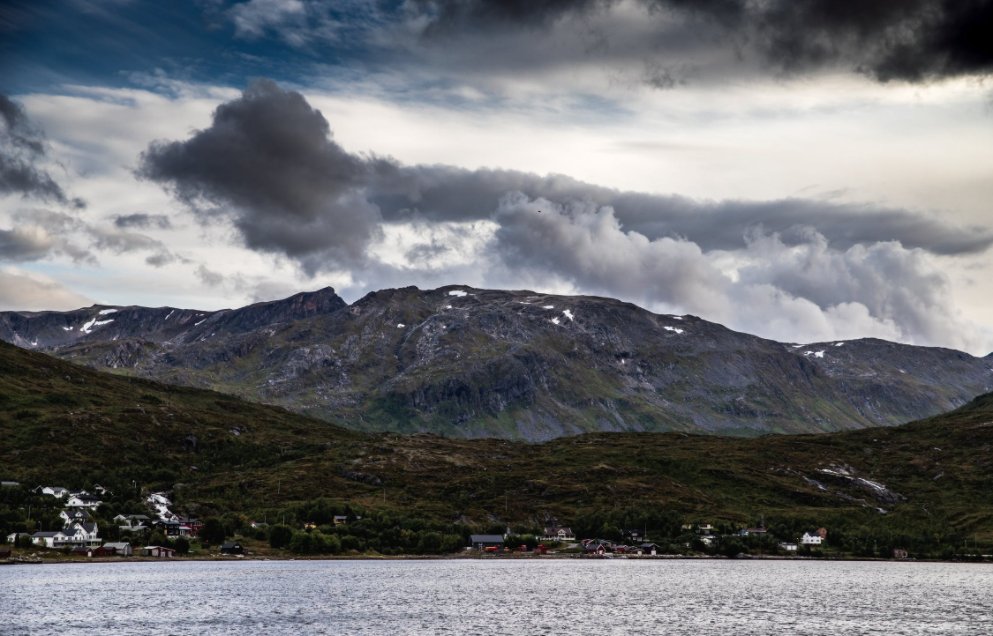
x=513, y=598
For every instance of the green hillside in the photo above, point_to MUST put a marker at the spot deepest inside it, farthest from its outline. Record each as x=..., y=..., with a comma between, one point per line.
x=927, y=485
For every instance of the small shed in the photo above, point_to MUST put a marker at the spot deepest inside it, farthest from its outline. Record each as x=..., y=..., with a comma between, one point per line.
x=232, y=547
x=158, y=552
x=120, y=548
x=483, y=541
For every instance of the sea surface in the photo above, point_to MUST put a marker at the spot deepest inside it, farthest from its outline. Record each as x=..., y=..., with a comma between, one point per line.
x=513, y=597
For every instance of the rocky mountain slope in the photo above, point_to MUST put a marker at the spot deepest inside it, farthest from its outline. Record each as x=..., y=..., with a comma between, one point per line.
x=472, y=363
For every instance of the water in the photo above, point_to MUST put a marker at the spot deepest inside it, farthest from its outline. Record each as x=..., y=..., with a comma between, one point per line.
x=513, y=597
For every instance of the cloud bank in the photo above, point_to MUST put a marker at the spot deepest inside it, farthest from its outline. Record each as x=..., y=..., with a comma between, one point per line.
x=912, y=40
x=790, y=269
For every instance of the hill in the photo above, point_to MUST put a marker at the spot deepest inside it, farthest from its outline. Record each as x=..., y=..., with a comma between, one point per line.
x=928, y=482
x=464, y=362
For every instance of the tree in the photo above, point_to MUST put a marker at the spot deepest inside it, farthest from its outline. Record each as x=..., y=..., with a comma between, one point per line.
x=212, y=530
x=182, y=545
x=280, y=536
x=158, y=538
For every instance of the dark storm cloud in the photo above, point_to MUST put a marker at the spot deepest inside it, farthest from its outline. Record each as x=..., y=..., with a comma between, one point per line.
x=908, y=39
x=143, y=221
x=22, y=147
x=913, y=40
x=268, y=162
x=444, y=193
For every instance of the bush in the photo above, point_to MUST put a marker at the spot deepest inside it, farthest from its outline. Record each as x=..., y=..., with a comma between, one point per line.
x=314, y=543
x=182, y=545
x=158, y=538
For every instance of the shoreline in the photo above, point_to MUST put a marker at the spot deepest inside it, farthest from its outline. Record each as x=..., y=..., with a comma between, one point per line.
x=460, y=557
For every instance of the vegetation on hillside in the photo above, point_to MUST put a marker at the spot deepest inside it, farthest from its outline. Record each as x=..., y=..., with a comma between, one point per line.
x=926, y=487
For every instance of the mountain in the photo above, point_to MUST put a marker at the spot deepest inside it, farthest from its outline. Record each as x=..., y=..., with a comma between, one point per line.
x=925, y=483
x=465, y=362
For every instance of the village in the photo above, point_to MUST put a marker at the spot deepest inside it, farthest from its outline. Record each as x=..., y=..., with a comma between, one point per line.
x=80, y=533
x=162, y=534
x=637, y=542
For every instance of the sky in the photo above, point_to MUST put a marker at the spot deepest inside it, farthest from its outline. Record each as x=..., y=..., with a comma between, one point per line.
x=803, y=170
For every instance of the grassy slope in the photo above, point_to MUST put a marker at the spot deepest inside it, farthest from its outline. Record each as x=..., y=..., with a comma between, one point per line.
x=60, y=423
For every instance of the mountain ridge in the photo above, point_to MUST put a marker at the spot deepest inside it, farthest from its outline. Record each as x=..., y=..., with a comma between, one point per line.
x=467, y=362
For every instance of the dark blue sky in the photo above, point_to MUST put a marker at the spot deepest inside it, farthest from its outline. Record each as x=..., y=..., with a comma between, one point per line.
x=110, y=42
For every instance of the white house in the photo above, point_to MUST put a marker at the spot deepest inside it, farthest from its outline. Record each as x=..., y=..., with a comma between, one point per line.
x=55, y=539
x=72, y=515
x=558, y=534
x=56, y=491
x=83, y=534
x=788, y=546
x=83, y=500
x=811, y=539
x=14, y=536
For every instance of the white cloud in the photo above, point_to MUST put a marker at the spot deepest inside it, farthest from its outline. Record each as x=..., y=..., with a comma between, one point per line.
x=26, y=291
x=896, y=147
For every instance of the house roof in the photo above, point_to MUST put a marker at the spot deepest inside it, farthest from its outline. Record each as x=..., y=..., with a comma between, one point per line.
x=486, y=538
x=42, y=535
x=118, y=545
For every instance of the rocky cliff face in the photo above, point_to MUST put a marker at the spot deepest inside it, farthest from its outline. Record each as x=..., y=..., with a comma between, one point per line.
x=467, y=362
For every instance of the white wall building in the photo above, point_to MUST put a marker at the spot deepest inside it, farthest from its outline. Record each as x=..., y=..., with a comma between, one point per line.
x=811, y=539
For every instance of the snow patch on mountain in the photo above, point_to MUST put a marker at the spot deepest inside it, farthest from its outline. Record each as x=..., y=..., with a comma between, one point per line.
x=88, y=327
